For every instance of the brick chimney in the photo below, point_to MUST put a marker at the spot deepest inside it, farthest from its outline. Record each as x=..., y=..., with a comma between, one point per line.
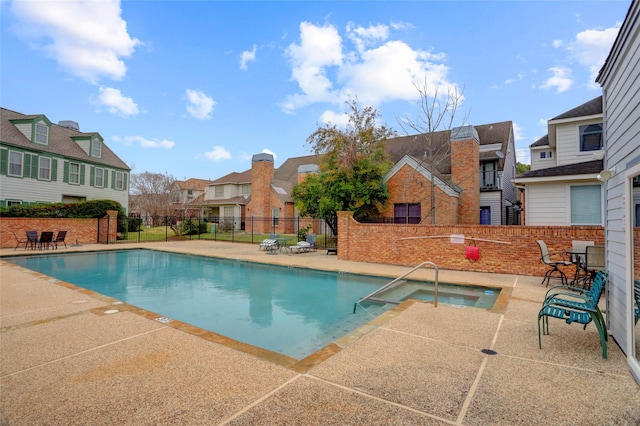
x=261, y=177
x=465, y=166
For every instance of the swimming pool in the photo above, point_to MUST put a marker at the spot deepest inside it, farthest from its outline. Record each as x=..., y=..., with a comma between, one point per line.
x=291, y=311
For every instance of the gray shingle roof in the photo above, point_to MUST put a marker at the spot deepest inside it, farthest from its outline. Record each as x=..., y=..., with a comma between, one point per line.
x=60, y=141
x=543, y=141
x=588, y=167
x=592, y=107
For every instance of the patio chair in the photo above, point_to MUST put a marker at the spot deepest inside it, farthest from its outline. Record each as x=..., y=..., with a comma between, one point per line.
x=554, y=261
x=32, y=240
x=636, y=297
x=593, y=262
x=311, y=239
x=301, y=247
x=269, y=244
x=20, y=241
x=59, y=239
x=579, y=308
x=46, y=238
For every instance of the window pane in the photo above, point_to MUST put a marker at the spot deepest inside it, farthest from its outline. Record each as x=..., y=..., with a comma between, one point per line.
x=586, y=205
x=45, y=168
x=119, y=180
x=99, y=177
x=15, y=164
x=591, y=137
x=41, y=133
x=96, y=148
x=74, y=173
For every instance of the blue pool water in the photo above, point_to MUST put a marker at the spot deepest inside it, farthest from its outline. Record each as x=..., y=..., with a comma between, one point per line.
x=291, y=311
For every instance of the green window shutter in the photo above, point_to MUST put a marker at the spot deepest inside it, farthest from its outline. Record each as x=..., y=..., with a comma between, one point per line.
x=65, y=176
x=82, y=174
x=35, y=164
x=105, y=176
x=54, y=170
x=3, y=203
x=26, y=165
x=124, y=181
x=92, y=176
x=4, y=161
x=113, y=180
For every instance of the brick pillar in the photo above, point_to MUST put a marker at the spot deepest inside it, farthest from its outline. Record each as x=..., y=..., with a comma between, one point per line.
x=260, y=204
x=465, y=172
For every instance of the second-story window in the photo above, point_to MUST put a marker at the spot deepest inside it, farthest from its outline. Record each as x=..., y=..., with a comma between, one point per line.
x=96, y=148
x=189, y=193
x=74, y=173
x=15, y=163
x=246, y=189
x=591, y=137
x=99, y=178
x=219, y=192
x=44, y=168
x=488, y=170
x=546, y=154
x=42, y=134
x=119, y=184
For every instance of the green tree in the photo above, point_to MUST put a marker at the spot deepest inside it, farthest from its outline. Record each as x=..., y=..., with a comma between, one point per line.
x=522, y=168
x=352, y=168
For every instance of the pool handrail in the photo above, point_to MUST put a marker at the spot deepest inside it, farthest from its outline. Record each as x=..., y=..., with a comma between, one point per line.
x=391, y=283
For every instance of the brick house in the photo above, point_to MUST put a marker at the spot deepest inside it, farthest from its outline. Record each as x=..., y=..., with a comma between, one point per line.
x=43, y=162
x=472, y=180
x=562, y=188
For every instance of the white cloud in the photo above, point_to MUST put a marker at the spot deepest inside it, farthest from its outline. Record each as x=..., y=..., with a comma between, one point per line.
x=334, y=118
x=247, y=56
x=523, y=155
x=557, y=43
x=517, y=133
x=561, y=79
x=89, y=39
x=144, y=142
x=199, y=105
x=377, y=69
x=591, y=47
x=217, y=153
x=115, y=102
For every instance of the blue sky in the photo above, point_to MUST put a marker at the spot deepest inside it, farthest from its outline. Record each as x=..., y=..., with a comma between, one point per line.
x=195, y=88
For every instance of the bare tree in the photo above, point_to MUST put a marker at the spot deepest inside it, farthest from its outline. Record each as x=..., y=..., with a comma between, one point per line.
x=432, y=125
x=151, y=193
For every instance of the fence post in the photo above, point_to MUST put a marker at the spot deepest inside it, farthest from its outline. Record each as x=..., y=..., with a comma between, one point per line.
x=166, y=228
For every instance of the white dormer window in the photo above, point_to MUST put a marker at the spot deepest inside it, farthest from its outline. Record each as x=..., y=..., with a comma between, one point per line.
x=42, y=134
x=546, y=154
x=96, y=148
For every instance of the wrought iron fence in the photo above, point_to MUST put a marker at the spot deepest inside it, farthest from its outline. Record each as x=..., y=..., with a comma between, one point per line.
x=250, y=230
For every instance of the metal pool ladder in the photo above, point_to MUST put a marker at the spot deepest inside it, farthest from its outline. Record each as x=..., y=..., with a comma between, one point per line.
x=399, y=281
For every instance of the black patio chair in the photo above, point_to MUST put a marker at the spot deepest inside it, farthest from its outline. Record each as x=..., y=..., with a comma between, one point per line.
x=59, y=239
x=46, y=238
x=32, y=240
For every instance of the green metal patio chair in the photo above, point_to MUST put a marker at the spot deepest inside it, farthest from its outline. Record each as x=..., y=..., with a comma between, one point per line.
x=580, y=308
x=636, y=297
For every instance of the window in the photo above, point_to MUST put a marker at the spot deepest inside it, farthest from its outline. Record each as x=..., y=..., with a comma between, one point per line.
x=488, y=171
x=15, y=163
x=74, y=173
x=13, y=203
x=276, y=217
x=99, y=178
x=189, y=193
x=246, y=189
x=485, y=215
x=219, y=191
x=119, y=184
x=44, y=168
x=586, y=205
x=407, y=213
x=96, y=148
x=591, y=137
x=546, y=154
x=42, y=134
x=228, y=212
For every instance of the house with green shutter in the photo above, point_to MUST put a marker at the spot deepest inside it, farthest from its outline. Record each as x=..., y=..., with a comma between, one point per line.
x=43, y=162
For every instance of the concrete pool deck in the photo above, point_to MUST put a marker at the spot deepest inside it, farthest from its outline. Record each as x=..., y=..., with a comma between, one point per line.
x=64, y=360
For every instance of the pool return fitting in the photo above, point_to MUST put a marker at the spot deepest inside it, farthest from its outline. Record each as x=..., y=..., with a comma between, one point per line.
x=399, y=281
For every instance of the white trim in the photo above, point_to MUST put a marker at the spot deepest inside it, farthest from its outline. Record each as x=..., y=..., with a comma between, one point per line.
x=633, y=358
x=563, y=178
x=579, y=118
x=411, y=162
x=9, y=163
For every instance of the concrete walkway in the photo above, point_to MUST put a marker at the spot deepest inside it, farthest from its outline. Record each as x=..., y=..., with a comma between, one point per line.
x=65, y=360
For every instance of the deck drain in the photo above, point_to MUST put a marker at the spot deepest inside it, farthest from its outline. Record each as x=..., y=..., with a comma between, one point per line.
x=111, y=311
x=489, y=351
x=164, y=320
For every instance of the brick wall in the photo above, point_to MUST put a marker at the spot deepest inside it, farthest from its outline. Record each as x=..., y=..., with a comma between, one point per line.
x=85, y=231
x=465, y=157
x=409, y=186
x=375, y=243
x=261, y=195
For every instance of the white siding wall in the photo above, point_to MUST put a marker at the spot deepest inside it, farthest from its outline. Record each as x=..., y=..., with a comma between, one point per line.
x=622, y=143
x=493, y=199
x=546, y=204
x=508, y=173
x=568, y=143
x=542, y=163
